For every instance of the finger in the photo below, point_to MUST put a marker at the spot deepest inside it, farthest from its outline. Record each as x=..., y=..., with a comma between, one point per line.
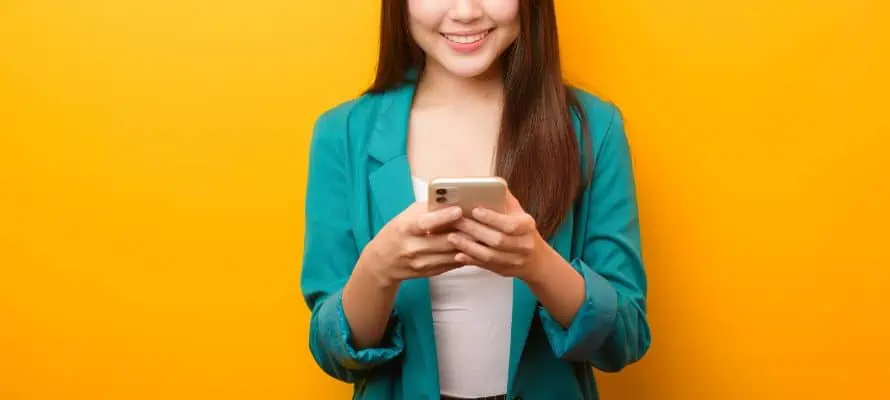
x=423, y=264
x=513, y=203
x=484, y=254
x=436, y=243
x=427, y=222
x=511, y=224
x=444, y=268
x=489, y=236
x=465, y=259
x=462, y=257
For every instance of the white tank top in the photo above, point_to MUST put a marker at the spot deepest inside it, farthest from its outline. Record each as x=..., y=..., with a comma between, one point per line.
x=472, y=313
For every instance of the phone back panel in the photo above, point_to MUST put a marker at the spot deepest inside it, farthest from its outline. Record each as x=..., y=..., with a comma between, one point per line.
x=468, y=193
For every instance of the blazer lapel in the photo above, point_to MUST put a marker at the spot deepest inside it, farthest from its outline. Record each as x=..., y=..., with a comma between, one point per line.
x=391, y=189
x=392, y=192
x=390, y=182
x=525, y=304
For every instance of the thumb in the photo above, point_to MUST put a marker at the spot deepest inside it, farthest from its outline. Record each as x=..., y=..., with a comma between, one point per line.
x=513, y=204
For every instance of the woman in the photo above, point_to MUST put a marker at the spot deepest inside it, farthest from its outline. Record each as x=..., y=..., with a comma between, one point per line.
x=520, y=304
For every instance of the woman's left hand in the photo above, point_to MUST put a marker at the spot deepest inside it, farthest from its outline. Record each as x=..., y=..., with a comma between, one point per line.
x=508, y=244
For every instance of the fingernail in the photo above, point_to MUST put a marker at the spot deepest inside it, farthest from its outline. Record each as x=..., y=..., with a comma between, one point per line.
x=456, y=211
x=452, y=238
x=479, y=212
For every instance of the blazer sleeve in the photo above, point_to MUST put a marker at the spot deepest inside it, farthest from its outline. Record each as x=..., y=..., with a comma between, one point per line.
x=329, y=255
x=610, y=330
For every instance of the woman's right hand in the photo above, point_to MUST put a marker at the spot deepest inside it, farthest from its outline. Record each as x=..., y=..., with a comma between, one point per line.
x=409, y=246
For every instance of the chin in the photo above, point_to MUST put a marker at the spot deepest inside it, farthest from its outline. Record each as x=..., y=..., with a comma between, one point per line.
x=466, y=65
x=466, y=68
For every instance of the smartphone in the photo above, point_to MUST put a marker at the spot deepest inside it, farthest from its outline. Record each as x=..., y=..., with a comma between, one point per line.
x=469, y=192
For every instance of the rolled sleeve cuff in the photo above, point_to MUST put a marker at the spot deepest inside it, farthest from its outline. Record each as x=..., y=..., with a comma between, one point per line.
x=592, y=323
x=337, y=337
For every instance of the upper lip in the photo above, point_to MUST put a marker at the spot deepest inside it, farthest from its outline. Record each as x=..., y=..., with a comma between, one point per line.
x=468, y=33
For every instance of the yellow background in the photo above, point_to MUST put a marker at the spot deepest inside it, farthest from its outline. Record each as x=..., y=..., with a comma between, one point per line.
x=152, y=164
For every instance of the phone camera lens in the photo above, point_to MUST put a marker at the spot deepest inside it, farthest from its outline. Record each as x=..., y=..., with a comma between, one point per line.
x=441, y=199
x=441, y=192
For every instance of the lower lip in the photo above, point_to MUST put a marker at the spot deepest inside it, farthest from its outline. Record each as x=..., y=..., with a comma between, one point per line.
x=467, y=47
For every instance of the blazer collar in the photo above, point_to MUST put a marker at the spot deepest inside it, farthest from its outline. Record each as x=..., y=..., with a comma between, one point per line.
x=390, y=180
x=389, y=137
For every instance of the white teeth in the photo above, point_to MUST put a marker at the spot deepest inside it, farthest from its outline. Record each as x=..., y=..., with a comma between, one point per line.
x=466, y=39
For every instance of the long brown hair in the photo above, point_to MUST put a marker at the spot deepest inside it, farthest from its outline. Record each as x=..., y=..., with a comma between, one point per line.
x=538, y=150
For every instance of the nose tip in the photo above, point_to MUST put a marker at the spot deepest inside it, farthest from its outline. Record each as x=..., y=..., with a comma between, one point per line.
x=466, y=10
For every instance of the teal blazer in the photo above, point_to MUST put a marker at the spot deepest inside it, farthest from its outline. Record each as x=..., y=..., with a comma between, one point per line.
x=359, y=179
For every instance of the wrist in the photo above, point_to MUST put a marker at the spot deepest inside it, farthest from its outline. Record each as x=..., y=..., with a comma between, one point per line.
x=371, y=268
x=537, y=271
